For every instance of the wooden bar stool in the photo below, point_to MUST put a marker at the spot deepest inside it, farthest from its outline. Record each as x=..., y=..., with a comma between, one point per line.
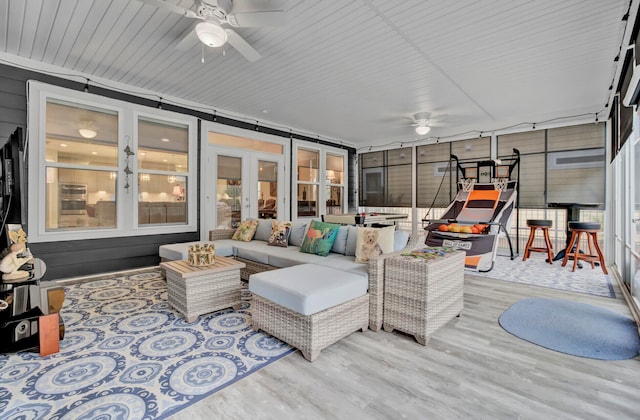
x=573, y=249
x=543, y=225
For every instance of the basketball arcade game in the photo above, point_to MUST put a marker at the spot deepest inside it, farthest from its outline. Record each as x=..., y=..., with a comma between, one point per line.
x=480, y=214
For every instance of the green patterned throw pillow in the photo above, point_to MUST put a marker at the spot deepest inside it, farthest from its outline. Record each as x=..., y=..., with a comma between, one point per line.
x=319, y=238
x=245, y=230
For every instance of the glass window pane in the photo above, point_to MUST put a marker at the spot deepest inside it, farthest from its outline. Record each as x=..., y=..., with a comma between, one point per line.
x=308, y=165
x=526, y=142
x=162, y=199
x=229, y=187
x=163, y=146
x=244, y=143
x=81, y=135
x=307, y=200
x=335, y=195
x=267, y=190
x=437, y=152
x=335, y=169
x=80, y=199
x=476, y=149
x=576, y=137
x=435, y=181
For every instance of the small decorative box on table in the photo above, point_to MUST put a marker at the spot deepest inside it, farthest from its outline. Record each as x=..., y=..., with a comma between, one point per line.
x=423, y=290
x=197, y=290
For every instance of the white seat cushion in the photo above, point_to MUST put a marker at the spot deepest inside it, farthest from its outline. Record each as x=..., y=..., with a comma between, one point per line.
x=308, y=288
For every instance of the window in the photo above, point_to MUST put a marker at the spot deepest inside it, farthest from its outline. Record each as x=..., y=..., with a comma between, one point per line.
x=320, y=180
x=163, y=160
x=80, y=163
x=385, y=178
x=308, y=182
x=335, y=187
x=106, y=168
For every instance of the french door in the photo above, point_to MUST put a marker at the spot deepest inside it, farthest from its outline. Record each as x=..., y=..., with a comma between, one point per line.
x=243, y=184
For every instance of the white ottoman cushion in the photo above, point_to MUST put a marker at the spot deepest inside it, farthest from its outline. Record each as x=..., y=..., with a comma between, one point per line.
x=308, y=288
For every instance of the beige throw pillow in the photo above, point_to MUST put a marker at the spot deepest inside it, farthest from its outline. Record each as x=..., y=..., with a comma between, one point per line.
x=373, y=242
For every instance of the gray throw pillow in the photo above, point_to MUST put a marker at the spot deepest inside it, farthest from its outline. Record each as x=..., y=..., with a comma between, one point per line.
x=263, y=232
x=352, y=240
x=340, y=244
x=298, y=229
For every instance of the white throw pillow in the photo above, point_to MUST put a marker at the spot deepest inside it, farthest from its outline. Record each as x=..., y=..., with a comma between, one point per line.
x=373, y=242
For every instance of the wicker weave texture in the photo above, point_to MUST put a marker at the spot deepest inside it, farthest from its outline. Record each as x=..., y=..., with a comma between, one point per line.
x=421, y=296
x=199, y=295
x=376, y=281
x=252, y=267
x=217, y=234
x=375, y=272
x=310, y=333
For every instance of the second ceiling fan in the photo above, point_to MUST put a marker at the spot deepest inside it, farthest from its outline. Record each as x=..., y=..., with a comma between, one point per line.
x=216, y=13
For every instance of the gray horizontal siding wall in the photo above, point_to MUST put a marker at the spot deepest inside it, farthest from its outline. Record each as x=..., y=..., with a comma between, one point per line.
x=82, y=257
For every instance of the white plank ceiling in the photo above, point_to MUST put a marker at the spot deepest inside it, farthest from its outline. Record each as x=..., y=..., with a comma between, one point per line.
x=354, y=71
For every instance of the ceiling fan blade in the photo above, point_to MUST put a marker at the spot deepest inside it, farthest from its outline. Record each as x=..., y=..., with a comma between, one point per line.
x=256, y=19
x=187, y=41
x=171, y=8
x=242, y=46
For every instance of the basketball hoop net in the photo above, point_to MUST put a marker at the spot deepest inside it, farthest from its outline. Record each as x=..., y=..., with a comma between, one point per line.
x=500, y=183
x=467, y=184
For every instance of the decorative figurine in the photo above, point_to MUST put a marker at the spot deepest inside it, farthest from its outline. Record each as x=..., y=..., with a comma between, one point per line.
x=11, y=263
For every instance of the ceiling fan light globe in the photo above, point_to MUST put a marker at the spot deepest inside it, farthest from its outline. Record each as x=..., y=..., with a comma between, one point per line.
x=422, y=129
x=210, y=34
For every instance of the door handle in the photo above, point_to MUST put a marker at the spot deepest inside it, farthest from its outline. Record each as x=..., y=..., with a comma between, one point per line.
x=635, y=220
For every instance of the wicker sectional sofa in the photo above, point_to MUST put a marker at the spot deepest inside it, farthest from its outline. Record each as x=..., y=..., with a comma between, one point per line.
x=259, y=256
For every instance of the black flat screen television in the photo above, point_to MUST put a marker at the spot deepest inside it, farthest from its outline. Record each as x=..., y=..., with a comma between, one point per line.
x=11, y=181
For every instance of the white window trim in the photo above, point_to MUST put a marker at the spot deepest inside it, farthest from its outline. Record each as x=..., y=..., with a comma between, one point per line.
x=126, y=210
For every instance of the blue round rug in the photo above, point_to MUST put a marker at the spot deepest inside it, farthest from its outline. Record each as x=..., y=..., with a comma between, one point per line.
x=573, y=328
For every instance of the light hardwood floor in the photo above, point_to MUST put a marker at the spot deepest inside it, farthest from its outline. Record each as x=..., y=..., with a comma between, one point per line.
x=471, y=368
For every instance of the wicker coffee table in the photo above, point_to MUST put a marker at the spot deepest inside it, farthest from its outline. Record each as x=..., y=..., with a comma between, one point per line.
x=194, y=291
x=421, y=295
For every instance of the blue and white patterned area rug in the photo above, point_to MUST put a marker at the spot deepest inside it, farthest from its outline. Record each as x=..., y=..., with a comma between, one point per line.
x=127, y=354
x=535, y=271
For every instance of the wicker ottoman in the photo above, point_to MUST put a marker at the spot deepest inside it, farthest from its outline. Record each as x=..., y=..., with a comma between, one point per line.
x=309, y=306
x=421, y=295
x=194, y=291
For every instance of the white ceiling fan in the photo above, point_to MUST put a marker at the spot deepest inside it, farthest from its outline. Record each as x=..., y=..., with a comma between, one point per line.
x=423, y=122
x=216, y=13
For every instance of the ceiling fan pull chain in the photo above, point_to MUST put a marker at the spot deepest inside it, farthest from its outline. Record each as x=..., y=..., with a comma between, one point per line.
x=202, y=54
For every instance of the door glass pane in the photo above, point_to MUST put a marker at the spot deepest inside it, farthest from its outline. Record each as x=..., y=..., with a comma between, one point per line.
x=267, y=190
x=229, y=191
